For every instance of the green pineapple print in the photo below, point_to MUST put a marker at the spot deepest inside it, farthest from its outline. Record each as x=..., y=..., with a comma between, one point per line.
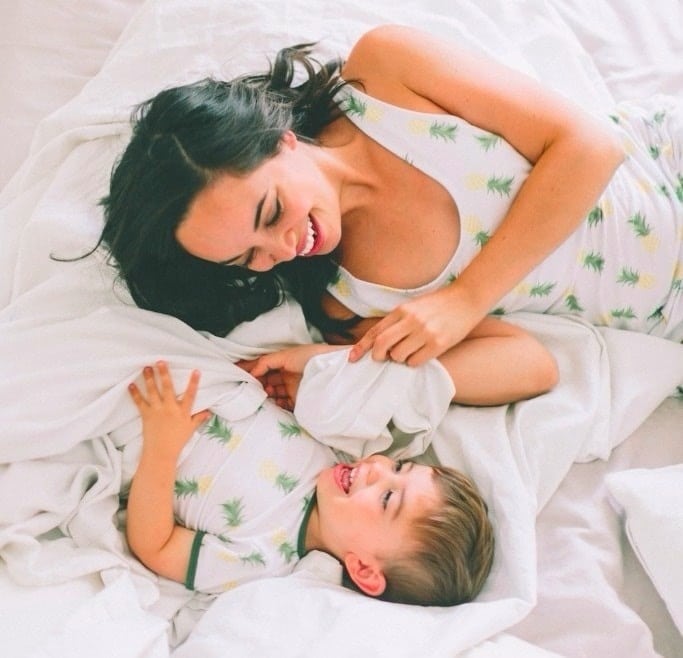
x=500, y=185
x=217, y=429
x=355, y=106
x=594, y=261
x=287, y=550
x=281, y=479
x=628, y=277
x=233, y=511
x=481, y=238
x=488, y=141
x=572, y=304
x=286, y=482
x=542, y=289
x=626, y=313
x=655, y=151
x=679, y=188
x=615, y=118
x=499, y=310
x=595, y=216
x=443, y=131
x=186, y=487
x=288, y=430
x=657, y=315
x=640, y=226
x=659, y=116
x=663, y=189
x=254, y=558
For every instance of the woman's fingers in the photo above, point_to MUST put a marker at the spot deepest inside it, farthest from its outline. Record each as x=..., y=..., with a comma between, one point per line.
x=368, y=340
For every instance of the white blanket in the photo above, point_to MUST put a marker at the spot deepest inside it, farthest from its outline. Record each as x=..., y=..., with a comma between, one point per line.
x=70, y=342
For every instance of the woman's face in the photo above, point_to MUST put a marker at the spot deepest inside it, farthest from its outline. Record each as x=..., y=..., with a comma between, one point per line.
x=283, y=209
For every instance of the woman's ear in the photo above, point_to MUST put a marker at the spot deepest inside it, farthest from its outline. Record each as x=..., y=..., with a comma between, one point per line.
x=289, y=139
x=367, y=575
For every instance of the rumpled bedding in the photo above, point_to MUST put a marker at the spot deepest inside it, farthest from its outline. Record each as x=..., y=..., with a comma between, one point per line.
x=71, y=341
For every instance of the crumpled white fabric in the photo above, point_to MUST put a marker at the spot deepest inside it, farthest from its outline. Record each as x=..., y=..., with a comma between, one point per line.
x=354, y=407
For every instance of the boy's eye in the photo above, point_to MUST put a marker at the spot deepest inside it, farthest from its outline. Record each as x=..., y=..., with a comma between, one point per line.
x=276, y=215
x=398, y=466
x=385, y=498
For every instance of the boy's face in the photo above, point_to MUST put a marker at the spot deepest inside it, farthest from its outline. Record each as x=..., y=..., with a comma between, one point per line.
x=367, y=508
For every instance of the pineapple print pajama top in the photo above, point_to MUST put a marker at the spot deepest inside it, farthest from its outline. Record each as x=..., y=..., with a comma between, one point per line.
x=247, y=487
x=622, y=267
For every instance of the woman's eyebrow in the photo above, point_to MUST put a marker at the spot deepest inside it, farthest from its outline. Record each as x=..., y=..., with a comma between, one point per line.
x=257, y=223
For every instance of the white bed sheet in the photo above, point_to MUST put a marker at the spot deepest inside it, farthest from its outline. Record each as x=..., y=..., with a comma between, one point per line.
x=593, y=596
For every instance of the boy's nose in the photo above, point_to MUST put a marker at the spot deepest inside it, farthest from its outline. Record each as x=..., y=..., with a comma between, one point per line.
x=376, y=469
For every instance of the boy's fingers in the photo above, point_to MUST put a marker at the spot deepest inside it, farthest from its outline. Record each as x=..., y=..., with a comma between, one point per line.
x=200, y=418
x=191, y=390
x=165, y=377
x=136, y=395
x=150, y=383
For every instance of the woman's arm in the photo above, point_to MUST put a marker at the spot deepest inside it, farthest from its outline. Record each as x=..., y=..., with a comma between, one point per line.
x=573, y=156
x=167, y=424
x=497, y=363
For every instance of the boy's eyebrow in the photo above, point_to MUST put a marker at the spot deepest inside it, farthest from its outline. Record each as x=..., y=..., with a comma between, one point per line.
x=257, y=222
x=397, y=512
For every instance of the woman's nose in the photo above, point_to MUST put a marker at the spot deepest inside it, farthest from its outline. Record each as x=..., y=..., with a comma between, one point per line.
x=283, y=246
x=280, y=248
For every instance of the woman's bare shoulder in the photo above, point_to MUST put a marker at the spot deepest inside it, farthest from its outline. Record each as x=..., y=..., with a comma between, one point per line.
x=380, y=60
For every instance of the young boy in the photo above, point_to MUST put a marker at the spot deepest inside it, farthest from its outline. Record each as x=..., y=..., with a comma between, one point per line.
x=218, y=506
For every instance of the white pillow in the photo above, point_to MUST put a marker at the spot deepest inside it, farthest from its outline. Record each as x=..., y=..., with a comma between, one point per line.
x=650, y=501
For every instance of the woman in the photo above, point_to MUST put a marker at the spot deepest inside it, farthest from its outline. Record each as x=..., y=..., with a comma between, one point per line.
x=220, y=175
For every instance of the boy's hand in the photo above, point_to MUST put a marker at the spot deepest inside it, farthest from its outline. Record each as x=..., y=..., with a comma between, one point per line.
x=280, y=372
x=167, y=419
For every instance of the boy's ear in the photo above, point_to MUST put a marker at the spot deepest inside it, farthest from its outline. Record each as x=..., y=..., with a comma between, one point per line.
x=367, y=575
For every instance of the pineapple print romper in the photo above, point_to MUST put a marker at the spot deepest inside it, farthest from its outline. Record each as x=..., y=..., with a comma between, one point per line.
x=247, y=487
x=622, y=267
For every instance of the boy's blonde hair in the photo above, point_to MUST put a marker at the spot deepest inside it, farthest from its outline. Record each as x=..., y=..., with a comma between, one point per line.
x=452, y=548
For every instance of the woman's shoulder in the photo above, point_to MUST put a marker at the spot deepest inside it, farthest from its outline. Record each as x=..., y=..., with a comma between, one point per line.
x=380, y=61
x=379, y=53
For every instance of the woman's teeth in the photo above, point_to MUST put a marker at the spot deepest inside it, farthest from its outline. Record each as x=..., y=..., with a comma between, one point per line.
x=310, y=239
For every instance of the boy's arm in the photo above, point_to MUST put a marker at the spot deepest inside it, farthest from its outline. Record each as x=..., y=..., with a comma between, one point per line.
x=167, y=424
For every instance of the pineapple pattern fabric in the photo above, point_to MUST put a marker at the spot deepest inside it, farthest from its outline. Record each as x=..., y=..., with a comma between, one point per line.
x=246, y=486
x=623, y=267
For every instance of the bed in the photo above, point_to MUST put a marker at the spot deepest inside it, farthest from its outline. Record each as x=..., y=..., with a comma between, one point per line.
x=584, y=483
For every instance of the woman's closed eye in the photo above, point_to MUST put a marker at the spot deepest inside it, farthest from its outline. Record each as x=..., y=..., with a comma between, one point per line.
x=277, y=214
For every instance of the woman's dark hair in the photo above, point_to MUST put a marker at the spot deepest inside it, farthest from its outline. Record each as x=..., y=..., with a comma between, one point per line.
x=182, y=139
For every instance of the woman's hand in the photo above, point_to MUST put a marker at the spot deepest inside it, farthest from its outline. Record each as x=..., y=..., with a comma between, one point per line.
x=420, y=329
x=167, y=419
x=280, y=372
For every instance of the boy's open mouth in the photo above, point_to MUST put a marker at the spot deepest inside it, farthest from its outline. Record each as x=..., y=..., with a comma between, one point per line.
x=345, y=475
